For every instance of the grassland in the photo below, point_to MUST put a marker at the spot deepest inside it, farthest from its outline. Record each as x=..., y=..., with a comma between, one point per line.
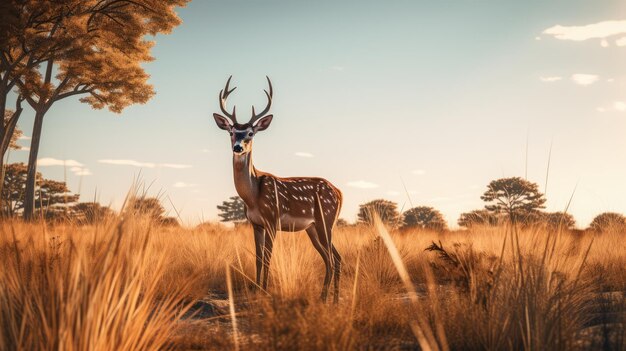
x=129, y=285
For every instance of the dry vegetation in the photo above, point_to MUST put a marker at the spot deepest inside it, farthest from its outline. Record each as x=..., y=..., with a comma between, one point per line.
x=129, y=285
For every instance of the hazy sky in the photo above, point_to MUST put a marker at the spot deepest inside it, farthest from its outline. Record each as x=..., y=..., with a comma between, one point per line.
x=439, y=97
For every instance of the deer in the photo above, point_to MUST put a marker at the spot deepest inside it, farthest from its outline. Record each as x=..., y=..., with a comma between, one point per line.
x=274, y=203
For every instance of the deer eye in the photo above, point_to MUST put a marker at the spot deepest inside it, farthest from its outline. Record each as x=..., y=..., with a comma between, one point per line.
x=250, y=134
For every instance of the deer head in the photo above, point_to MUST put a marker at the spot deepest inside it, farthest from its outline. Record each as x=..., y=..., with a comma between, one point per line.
x=241, y=134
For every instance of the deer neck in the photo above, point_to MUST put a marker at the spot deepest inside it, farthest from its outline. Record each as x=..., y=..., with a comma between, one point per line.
x=246, y=180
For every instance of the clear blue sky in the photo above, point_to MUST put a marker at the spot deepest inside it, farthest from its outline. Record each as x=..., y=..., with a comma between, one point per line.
x=440, y=96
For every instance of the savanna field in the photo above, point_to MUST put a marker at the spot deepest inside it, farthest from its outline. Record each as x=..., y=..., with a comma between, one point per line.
x=355, y=110
x=127, y=283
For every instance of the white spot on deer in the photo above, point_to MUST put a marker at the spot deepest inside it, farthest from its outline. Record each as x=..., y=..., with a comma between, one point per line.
x=303, y=211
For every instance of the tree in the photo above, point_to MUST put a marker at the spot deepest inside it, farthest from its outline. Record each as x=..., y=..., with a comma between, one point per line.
x=91, y=212
x=95, y=48
x=17, y=133
x=151, y=207
x=559, y=220
x=608, y=221
x=477, y=218
x=424, y=217
x=516, y=197
x=232, y=210
x=386, y=210
x=52, y=197
x=341, y=223
x=147, y=206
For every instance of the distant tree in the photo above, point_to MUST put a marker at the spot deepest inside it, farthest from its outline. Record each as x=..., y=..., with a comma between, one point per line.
x=559, y=220
x=424, y=217
x=516, y=197
x=232, y=210
x=478, y=218
x=341, y=223
x=170, y=222
x=91, y=212
x=13, y=185
x=17, y=133
x=147, y=206
x=386, y=210
x=53, y=50
x=52, y=197
x=608, y=221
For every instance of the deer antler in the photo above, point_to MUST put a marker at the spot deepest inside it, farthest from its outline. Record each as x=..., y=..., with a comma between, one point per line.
x=256, y=117
x=223, y=96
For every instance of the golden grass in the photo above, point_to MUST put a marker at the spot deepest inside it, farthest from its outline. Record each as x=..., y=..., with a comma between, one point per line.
x=128, y=285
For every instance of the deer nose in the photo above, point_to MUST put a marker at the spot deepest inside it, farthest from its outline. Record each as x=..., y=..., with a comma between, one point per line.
x=237, y=148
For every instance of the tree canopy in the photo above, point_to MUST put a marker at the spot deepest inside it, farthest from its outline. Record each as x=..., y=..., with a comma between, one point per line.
x=52, y=50
x=424, y=217
x=52, y=197
x=478, y=218
x=232, y=210
x=386, y=210
x=608, y=221
x=516, y=197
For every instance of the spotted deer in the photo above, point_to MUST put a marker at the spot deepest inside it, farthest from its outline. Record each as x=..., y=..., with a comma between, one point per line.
x=280, y=204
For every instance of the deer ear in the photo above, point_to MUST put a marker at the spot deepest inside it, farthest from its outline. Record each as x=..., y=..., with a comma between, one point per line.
x=263, y=123
x=222, y=122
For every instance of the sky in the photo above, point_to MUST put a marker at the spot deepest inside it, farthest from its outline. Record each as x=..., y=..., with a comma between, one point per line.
x=419, y=102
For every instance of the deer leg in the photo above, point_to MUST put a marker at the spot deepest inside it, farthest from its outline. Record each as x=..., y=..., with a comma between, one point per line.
x=259, y=243
x=337, y=273
x=323, y=251
x=267, y=255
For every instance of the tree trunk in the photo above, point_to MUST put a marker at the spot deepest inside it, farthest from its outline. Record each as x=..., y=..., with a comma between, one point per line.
x=29, y=196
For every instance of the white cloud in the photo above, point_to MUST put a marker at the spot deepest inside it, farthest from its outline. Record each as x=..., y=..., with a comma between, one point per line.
x=143, y=164
x=128, y=163
x=362, y=184
x=183, y=185
x=205, y=151
x=537, y=38
x=303, y=154
x=418, y=171
x=337, y=68
x=617, y=106
x=173, y=165
x=24, y=137
x=550, y=79
x=598, y=30
x=584, y=79
x=23, y=148
x=393, y=193
x=83, y=172
x=621, y=41
x=49, y=161
x=604, y=43
x=75, y=167
x=610, y=80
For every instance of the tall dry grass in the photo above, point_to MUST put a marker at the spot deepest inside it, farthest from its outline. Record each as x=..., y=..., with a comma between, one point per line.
x=128, y=284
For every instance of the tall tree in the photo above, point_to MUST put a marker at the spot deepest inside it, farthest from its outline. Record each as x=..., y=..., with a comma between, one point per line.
x=424, y=217
x=232, y=210
x=93, y=48
x=516, y=197
x=386, y=210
